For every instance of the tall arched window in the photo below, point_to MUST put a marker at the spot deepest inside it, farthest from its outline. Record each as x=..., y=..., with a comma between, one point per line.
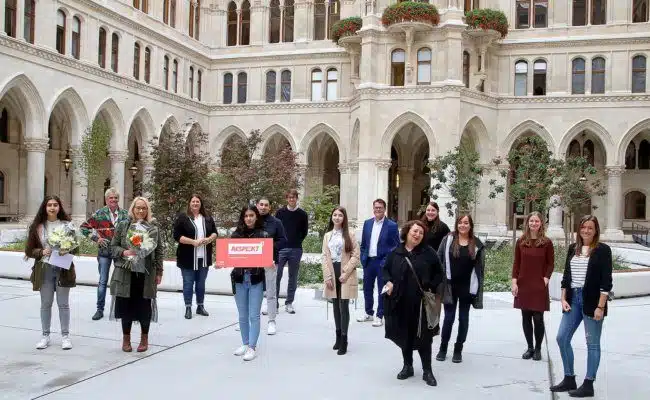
x=270, y=86
x=424, y=66
x=539, y=78
x=199, y=84
x=242, y=87
x=287, y=21
x=227, y=88
x=76, y=37
x=320, y=15
x=333, y=15
x=60, y=32
x=191, y=82
x=169, y=12
x=30, y=20
x=471, y=5
x=598, y=75
x=635, y=205
x=630, y=156
x=142, y=5
x=166, y=11
x=331, y=90
x=245, y=30
x=136, y=61
x=285, y=86
x=574, y=149
x=538, y=16
x=232, y=24
x=195, y=19
x=598, y=12
x=397, y=66
x=521, y=78
x=639, y=74
x=175, y=76
x=466, y=66
x=4, y=126
x=644, y=154
x=578, y=76
x=10, y=17
x=115, y=51
x=275, y=19
x=147, y=64
x=593, y=12
x=588, y=152
x=101, y=53
x=640, y=11
x=166, y=73
x=316, y=85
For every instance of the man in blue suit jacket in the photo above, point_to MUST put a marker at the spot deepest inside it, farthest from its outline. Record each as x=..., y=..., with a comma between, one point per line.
x=380, y=236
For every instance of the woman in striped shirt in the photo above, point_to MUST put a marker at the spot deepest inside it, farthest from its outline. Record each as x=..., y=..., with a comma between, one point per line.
x=586, y=284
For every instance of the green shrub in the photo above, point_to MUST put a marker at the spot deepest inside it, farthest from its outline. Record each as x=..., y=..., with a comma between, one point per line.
x=312, y=244
x=345, y=27
x=310, y=274
x=485, y=18
x=410, y=11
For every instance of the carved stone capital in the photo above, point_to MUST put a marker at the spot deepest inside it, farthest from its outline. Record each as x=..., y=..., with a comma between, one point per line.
x=353, y=167
x=383, y=165
x=615, y=171
x=36, y=145
x=118, y=156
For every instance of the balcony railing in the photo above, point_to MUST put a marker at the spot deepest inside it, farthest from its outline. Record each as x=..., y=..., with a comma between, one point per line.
x=641, y=234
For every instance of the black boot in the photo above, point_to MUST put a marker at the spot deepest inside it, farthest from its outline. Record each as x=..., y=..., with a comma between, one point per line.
x=188, y=312
x=406, y=372
x=429, y=378
x=537, y=355
x=568, y=383
x=200, y=310
x=344, y=345
x=442, y=353
x=585, y=390
x=337, y=344
x=528, y=354
x=458, y=353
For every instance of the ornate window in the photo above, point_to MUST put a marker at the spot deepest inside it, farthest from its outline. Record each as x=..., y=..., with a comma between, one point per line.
x=115, y=50
x=424, y=66
x=245, y=29
x=531, y=13
x=101, y=53
x=147, y=64
x=4, y=126
x=333, y=15
x=60, y=32
x=398, y=65
x=466, y=65
x=199, y=84
x=275, y=20
x=635, y=205
x=287, y=21
x=242, y=87
x=471, y=5
x=578, y=76
x=232, y=24
x=588, y=152
x=639, y=74
x=521, y=78
x=191, y=82
x=589, y=12
x=227, y=88
x=166, y=73
x=270, y=86
x=175, y=76
x=136, y=61
x=76, y=37
x=30, y=20
x=640, y=11
x=142, y=5
x=195, y=19
x=539, y=78
x=285, y=86
x=598, y=75
x=320, y=15
x=331, y=92
x=316, y=85
x=10, y=17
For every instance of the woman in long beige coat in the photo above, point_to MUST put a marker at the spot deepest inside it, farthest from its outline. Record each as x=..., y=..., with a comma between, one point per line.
x=340, y=262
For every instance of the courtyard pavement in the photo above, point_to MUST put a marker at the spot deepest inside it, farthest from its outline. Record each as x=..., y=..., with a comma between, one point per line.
x=193, y=359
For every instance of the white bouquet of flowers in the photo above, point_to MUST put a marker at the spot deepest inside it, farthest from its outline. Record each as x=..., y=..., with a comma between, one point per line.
x=143, y=239
x=64, y=238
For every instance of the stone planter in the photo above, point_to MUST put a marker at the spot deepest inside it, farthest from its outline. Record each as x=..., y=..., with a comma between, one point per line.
x=486, y=19
x=410, y=12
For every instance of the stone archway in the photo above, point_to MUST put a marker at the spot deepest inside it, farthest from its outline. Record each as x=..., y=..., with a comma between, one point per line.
x=323, y=160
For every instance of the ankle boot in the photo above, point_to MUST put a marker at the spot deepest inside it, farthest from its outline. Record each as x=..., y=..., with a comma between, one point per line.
x=344, y=345
x=337, y=344
x=200, y=310
x=528, y=354
x=406, y=372
x=429, y=378
x=568, y=383
x=144, y=343
x=585, y=390
x=537, y=356
x=458, y=353
x=442, y=353
x=126, y=344
x=188, y=312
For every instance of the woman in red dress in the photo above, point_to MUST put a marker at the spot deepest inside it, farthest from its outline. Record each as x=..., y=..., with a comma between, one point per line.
x=531, y=272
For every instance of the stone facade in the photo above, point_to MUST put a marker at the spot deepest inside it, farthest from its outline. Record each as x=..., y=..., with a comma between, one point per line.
x=366, y=114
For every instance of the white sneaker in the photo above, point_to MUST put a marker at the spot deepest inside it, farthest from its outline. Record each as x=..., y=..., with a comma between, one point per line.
x=378, y=321
x=265, y=309
x=289, y=308
x=237, y=328
x=272, y=329
x=365, y=318
x=250, y=354
x=66, y=344
x=241, y=350
x=43, y=343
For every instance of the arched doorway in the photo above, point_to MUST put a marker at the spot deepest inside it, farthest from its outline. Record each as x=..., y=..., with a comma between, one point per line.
x=322, y=164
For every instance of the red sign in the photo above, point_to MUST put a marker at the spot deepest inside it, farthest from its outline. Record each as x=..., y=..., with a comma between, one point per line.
x=244, y=253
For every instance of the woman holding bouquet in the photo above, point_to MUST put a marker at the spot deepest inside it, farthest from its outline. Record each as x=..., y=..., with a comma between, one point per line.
x=195, y=231
x=137, y=252
x=51, y=220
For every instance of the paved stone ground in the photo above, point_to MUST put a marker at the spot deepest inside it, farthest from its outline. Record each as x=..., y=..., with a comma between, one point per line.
x=193, y=359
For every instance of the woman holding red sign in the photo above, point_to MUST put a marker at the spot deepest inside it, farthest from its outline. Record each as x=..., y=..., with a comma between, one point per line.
x=248, y=285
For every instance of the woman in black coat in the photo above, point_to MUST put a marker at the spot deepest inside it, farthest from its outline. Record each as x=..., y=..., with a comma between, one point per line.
x=436, y=229
x=404, y=312
x=195, y=232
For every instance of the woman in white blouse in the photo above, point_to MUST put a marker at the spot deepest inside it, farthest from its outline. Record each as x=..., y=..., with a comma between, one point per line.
x=340, y=262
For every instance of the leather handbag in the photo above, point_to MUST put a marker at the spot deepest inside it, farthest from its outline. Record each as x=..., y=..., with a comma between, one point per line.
x=432, y=304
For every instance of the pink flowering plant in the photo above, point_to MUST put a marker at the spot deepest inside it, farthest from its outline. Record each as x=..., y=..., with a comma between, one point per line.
x=486, y=18
x=410, y=11
x=346, y=27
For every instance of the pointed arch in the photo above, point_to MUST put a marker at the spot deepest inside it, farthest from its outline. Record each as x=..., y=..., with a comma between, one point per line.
x=596, y=129
x=217, y=142
x=31, y=103
x=523, y=128
x=353, y=154
x=639, y=127
x=276, y=129
x=169, y=125
x=398, y=123
x=75, y=107
x=142, y=117
x=110, y=112
x=313, y=133
x=480, y=136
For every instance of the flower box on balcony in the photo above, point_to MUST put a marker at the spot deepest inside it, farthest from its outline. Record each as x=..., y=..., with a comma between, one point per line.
x=410, y=11
x=487, y=19
x=346, y=27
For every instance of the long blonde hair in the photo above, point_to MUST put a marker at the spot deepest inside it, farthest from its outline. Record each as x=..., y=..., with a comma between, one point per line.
x=132, y=207
x=526, y=238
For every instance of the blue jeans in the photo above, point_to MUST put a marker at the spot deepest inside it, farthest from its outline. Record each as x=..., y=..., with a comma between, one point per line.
x=194, y=281
x=570, y=322
x=104, y=267
x=249, y=303
x=291, y=257
x=372, y=272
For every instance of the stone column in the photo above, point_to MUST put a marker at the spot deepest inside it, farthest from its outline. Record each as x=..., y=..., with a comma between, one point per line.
x=348, y=8
x=146, y=161
x=405, y=192
x=35, y=177
x=20, y=22
x=555, y=225
x=79, y=186
x=258, y=23
x=302, y=180
x=614, y=198
x=366, y=190
x=353, y=180
x=118, y=158
x=381, y=184
x=444, y=197
x=301, y=21
x=344, y=187
x=2, y=18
